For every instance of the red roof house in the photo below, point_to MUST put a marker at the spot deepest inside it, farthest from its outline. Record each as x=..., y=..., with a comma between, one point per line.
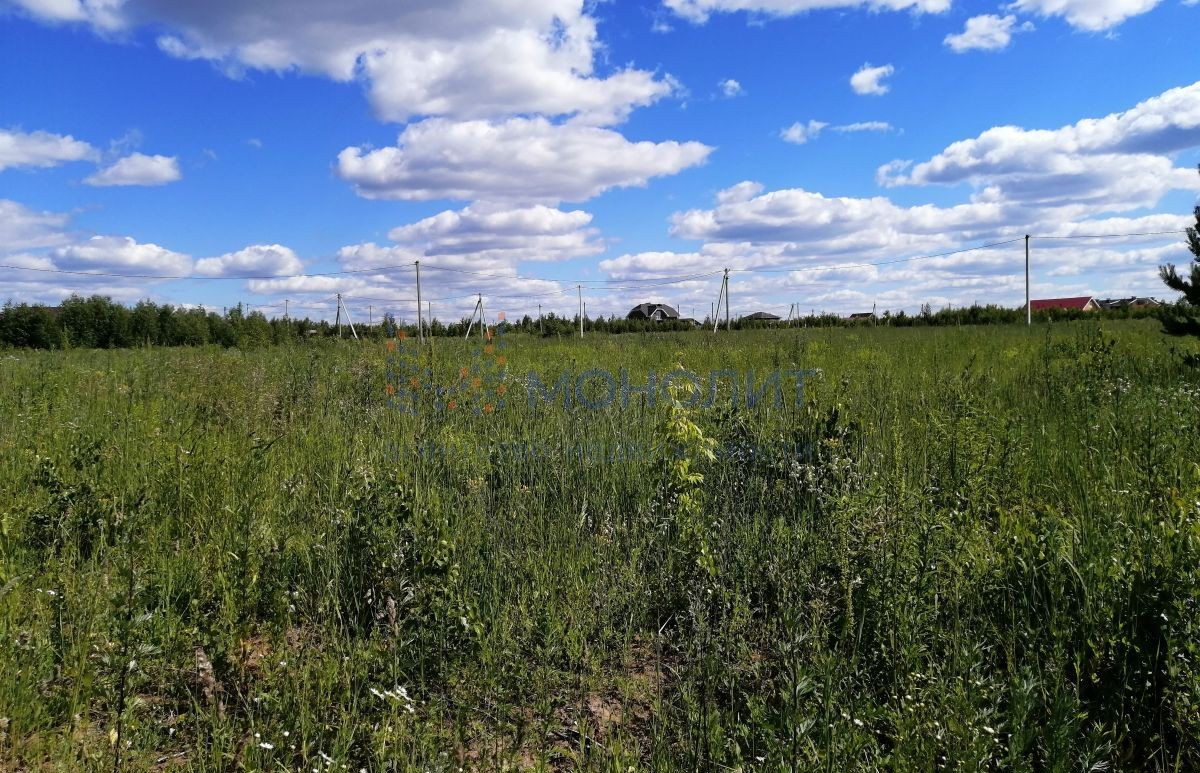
x=1080, y=303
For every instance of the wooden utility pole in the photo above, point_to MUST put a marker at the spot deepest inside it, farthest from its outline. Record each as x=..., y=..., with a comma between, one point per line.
x=1028, y=308
x=540, y=330
x=579, y=288
x=370, y=315
x=285, y=309
x=420, y=329
x=337, y=322
x=474, y=311
x=728, y=324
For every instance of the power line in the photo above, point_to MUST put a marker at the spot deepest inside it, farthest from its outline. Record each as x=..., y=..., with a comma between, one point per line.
x=1110, y=236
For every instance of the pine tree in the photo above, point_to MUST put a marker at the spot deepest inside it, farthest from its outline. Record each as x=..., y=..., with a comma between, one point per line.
x=1184, y=317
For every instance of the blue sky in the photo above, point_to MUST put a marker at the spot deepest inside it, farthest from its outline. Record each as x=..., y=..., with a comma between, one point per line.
x=627, y=146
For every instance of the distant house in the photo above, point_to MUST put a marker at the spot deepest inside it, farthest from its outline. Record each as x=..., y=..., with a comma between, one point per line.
x=862, y=316
x=762, y=316
x=690, y=321
x=655, y=312
x=1079, y=303
x=1133, y=302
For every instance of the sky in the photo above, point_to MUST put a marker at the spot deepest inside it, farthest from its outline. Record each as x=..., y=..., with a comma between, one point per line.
x=834, y=155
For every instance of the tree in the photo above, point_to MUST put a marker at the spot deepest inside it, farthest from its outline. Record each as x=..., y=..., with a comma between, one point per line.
x=1182, y=318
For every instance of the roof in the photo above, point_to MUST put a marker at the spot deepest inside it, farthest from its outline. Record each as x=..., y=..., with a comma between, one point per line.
x=862, y=315
x=763, y=315
x=648, y=309
x=1134, y=301
x=1079, y=302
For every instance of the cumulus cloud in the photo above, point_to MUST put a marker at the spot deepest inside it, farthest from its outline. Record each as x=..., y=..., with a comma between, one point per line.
x=869, y=80
x=800, y=133
x=120, y=254
x=1119, y=162
x=41, y=149
x=255, y=260
x=520, y=159
x=138, y=169
x=489, y=234
x=699, y=10
x=460, y=58
x=983, y=33
x=22, y=228
x=731, y=88
x=1090, y=15
x=839, y=224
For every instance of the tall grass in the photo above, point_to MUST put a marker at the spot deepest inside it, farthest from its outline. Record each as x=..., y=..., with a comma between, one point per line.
x=969, y=548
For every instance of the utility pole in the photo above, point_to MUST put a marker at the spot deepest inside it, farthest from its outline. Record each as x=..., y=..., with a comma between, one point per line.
x=285, y=308
x=728, y=324
x=338, y=319
x=720, y=298
x=471, y=323
x=370, y=315
x=1028, y=308
x=482, y=320
x=579, y=289
x=540, y=331
x=429, y=316
x=420, y=330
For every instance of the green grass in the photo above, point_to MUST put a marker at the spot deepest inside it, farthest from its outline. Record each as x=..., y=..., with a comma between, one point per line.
x=984, y=557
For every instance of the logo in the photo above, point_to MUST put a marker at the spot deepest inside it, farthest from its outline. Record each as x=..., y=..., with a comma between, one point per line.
x=479, y=386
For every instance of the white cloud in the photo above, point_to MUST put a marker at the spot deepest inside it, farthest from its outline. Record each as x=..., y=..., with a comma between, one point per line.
x=1115, y=163
x=800, y=133
x=521, y=159
x=460, y=58
x=731, y=88
x=41, y=149
x=138, y=169
x=257, y=260
x=868, y=79
x=120, y=254
x=1090, y=15
x=293, y=285
x=699, y=10
x=983, y=33
x=834, y=225
x=22, y=228
x=488, y=234
x=864, y=126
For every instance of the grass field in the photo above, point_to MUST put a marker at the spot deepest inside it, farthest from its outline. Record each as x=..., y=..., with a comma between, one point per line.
x=970, y=548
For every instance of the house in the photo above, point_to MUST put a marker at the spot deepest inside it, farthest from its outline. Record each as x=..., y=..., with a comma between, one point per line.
x=1128, y=303
x=656, y=312
x=762, y=316
x=861, y=316
x=1079, y=303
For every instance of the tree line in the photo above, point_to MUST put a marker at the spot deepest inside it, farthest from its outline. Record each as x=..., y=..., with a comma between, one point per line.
x=98, y=322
